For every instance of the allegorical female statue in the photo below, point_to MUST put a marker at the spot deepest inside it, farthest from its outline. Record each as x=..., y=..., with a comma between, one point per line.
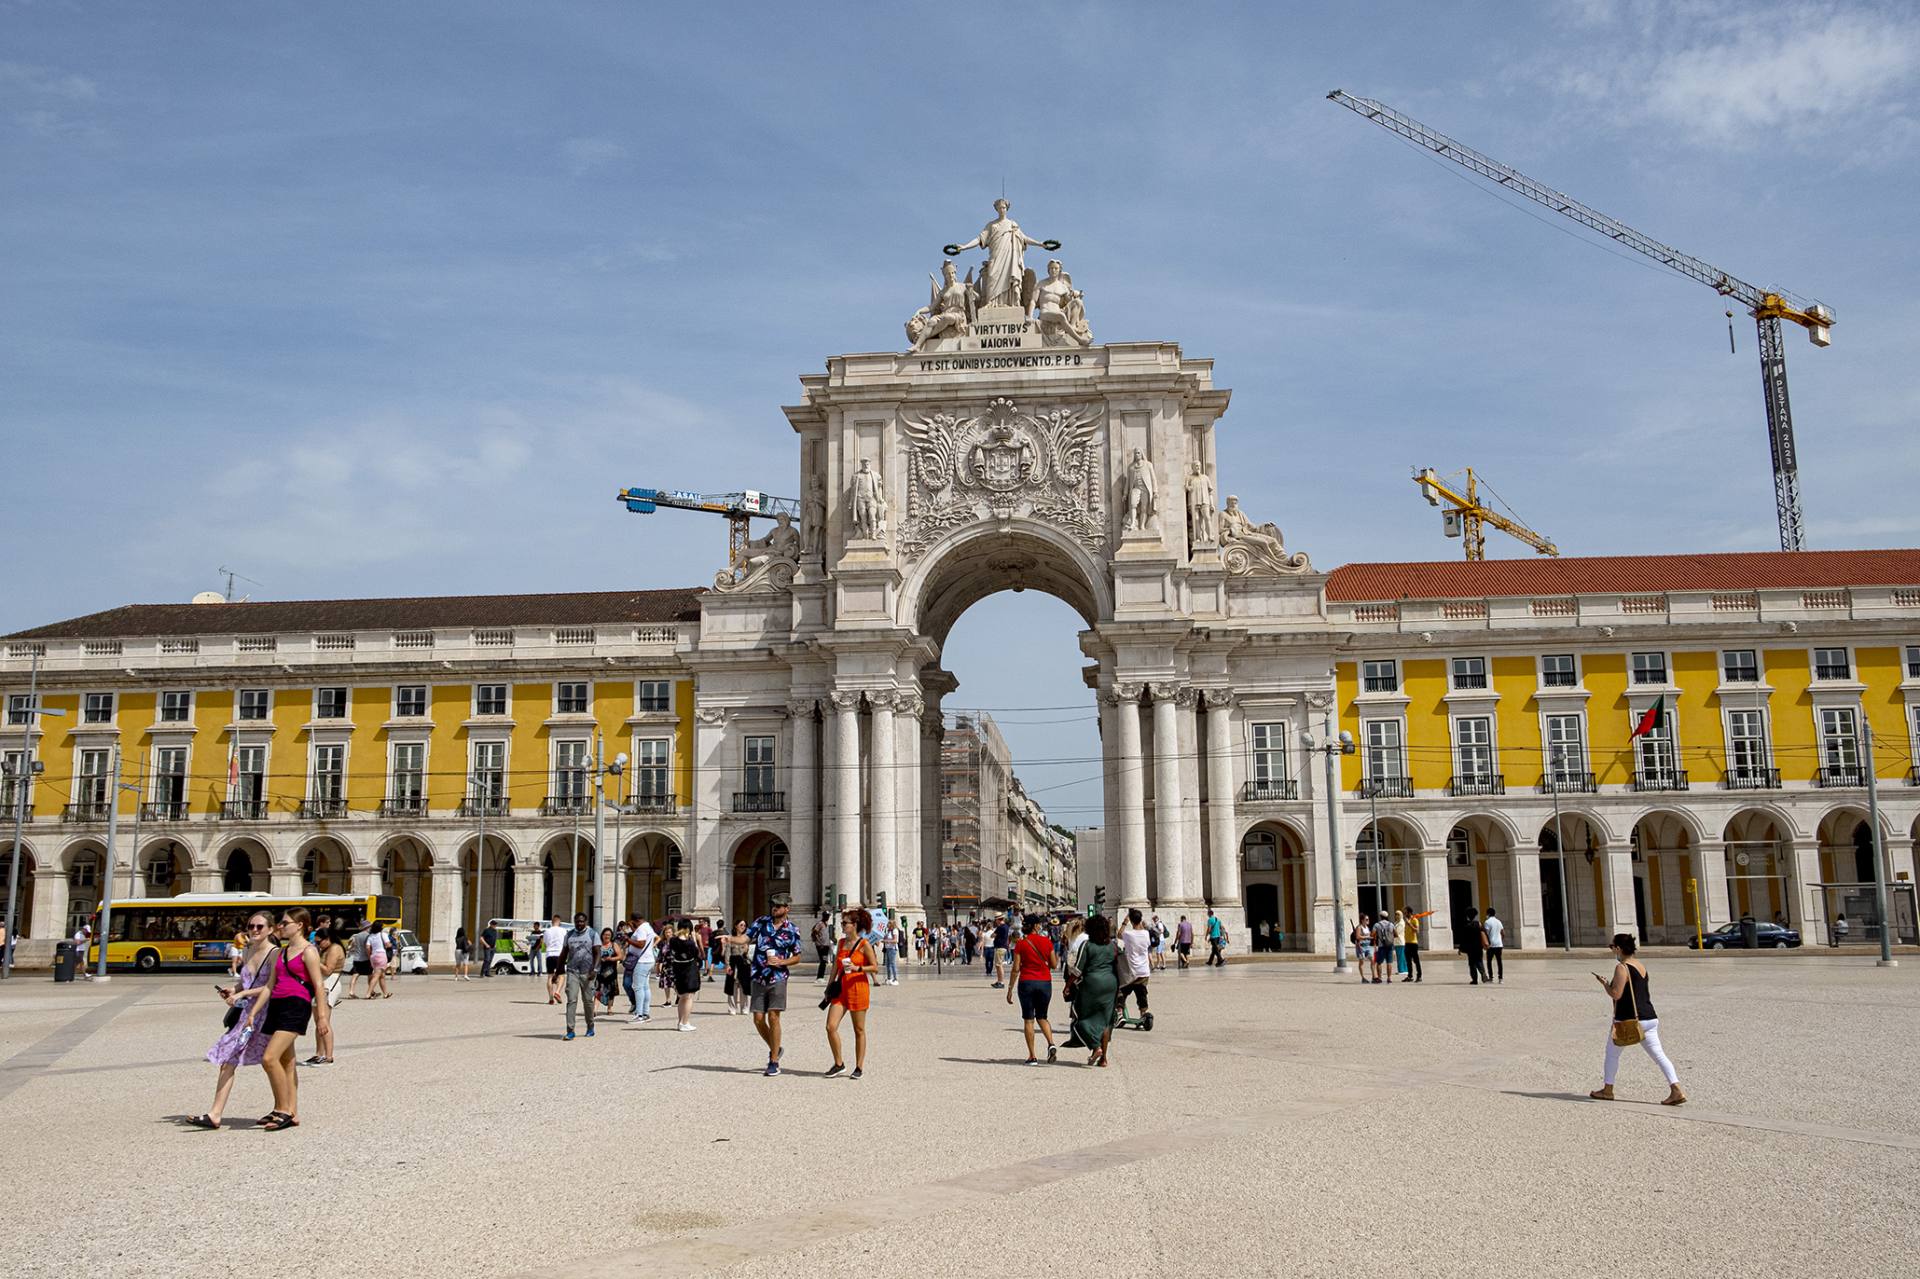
x=1058, y=311
x=1006, y=245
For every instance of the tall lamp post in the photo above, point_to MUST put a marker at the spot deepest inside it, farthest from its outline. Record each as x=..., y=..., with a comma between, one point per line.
x=22, y=779
x=1560, y=848
x=1879, y=853
x=601, y=771
x=1330, y=745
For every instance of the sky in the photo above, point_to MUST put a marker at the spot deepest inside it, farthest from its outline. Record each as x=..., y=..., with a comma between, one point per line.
x=368, y=299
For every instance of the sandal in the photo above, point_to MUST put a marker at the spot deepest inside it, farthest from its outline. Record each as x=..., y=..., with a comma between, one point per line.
x=279, y=1120
x=204, y=1121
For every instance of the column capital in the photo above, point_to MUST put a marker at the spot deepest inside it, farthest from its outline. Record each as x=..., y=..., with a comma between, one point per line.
x=802, y=707
x=1217, y=698
x=711, y=715
x=845, y=700
x=1166, y=690
x=1124, y=694
x=909, y=703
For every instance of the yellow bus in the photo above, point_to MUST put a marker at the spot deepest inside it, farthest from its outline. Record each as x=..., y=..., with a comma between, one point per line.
x=196, y=930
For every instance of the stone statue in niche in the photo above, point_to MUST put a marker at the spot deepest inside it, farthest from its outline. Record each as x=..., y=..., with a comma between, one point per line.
x=813, y=517
x=869, y=502
x=1004, y=279
x=1136, y=494
x=1201, y=530
x=949, y=310
x=1058, y=309
x=1255, y=548
x=765, y=563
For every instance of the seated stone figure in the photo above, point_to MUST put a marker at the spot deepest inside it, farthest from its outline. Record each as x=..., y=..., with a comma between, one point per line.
x=1059, y=310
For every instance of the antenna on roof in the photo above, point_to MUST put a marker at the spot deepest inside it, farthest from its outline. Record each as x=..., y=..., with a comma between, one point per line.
x=230, y=576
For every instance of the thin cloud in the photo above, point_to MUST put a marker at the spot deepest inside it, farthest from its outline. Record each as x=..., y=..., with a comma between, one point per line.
x=584, y=155
x=46, y=82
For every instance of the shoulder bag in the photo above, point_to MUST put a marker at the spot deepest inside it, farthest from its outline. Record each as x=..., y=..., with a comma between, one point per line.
x=1626, y=1033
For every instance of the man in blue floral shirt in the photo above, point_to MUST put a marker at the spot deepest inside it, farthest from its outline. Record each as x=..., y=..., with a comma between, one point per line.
x=776, y=946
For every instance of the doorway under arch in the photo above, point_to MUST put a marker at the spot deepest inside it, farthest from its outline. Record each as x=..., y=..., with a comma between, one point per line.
x=1389, y=869
x=651, y=865
x=759, y=868
x=1273, y=887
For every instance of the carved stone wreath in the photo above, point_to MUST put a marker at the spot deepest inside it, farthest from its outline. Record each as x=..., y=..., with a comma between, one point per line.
x=999, y=463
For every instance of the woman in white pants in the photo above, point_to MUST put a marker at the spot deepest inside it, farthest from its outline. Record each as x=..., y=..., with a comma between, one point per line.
x=1633, y=1002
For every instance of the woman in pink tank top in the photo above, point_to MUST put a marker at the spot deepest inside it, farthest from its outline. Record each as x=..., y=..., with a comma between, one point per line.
x=293, y=977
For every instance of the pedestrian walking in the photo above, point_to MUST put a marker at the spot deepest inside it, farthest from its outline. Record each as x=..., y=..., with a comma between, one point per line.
x=1414, y=972
x=642, y=950
x=241, y=1043
x=822, y=943
x=483, y=952
x=377, y=963
x=1134, y=947
x=606, y=970
x=579, y=954
x=357, y=964
x=294, y=980
x=1472, y=943
x=333, y=962
x=1094, y=969
x=1216, y=941
x=554, y=941
x=462, y=949
x=1382, y=949
x=683, y=961
x=1362, y=939
x=1495, y=929
x=997, y=951
x=775, y=949
x=1399, y=946
x=1158, y=933
x=1032, y=978
x=890, y=951
x=1634, y=1021
x=737, y=949
x=854, y=964
x=1183, y=940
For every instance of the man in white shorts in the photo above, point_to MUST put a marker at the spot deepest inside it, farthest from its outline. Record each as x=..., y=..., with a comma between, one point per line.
x=555, y=941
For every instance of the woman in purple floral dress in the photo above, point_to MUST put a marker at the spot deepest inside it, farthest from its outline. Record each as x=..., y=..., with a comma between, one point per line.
x=241, y=1045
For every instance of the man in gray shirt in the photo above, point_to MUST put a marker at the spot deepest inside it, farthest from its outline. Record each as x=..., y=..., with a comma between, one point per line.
x=582, y=948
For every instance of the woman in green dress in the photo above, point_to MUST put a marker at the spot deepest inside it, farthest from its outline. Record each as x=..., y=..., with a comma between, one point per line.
x=1096, y=980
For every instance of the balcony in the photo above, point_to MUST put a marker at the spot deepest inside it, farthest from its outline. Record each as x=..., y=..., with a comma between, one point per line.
x=566, y=805
x=759, y=801
x=1477, y=784
x=1566, y=783
x=1381, y=684
x=651, y=802
x=1750, y=779
x=87, y=810
x=164, y=810
x=1268, y=792
x=483, y=805
x=324, y=806
x=1386, y=788
x=243, y=810
x=404, y=806
x=1660, y=779
x=1841, y=775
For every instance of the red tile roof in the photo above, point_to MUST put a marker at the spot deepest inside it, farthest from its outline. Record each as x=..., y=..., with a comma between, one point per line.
x=579, y=608
x=1629, y=574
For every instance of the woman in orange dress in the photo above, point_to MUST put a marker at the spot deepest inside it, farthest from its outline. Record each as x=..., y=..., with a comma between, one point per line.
x=854, y=961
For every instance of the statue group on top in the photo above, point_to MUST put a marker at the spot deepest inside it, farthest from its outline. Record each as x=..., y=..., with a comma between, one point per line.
x=1056, y=308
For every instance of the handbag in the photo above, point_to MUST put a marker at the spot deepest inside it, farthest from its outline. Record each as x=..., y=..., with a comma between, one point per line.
x=1626, y=1033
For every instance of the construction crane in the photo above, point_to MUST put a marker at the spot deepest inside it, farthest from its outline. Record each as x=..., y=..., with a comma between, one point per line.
x=1767, y=306
x=739, y=508
x=1466, y=516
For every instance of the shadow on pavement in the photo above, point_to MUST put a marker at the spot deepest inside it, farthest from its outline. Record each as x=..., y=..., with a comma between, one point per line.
x=730, y=1070
x=1549, y=1096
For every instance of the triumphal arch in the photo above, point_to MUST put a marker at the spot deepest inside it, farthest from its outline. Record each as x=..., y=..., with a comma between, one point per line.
x=1005, y=449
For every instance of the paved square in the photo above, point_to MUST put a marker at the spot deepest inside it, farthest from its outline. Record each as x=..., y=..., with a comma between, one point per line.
x=1276, y=1121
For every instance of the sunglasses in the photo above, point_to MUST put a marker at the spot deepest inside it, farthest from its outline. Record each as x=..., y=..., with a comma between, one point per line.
x=256, y=928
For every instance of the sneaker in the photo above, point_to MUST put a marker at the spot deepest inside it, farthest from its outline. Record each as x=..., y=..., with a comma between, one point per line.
x=773, y=1068
x=855, y=1074
x=589, y=1032
x=999, y=985
x=1033, y=1061
x=834, y=1070
x=569, y=1034
x=1053, y=1054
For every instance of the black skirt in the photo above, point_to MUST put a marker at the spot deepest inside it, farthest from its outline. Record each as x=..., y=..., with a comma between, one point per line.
x=287, y=1012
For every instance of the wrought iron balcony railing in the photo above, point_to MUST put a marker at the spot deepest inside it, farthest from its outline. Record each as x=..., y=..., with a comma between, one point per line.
x=323, y=806
x=565, y=805
x=491, y=805
x=87, y=810
x=652, y=802
x=164, y=810
x=404, y=806
x=1750, y=779
x=1841, y=775
x=1660, y=779
x=1386, y=788
x=759, y=801
x=243, y=810
x=1568, y=784
x=1267, y=792
x=1477, y=784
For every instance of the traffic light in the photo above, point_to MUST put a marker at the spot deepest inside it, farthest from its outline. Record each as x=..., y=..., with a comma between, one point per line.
x=826, y=899
x=881, y=900
x=1099, y=899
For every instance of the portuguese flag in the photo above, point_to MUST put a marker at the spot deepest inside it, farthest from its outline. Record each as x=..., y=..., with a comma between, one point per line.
x=1650, y=720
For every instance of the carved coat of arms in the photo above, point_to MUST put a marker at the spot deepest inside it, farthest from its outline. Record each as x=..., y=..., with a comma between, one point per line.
x=1001, y=462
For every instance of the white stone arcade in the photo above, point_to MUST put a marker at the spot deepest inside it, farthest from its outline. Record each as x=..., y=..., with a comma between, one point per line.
x=1002, y=455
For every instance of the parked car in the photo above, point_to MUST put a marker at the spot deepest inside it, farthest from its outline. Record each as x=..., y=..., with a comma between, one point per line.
x=1770, y=937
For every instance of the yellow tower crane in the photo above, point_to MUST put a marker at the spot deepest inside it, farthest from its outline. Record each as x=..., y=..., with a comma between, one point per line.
x=1465, y=515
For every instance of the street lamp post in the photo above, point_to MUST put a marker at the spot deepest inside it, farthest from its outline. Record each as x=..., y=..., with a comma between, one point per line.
x=601, y=770
x=1560, y=850
x=1879, y=864
x=22, y=797
x=1332, y=745
x=106, y=883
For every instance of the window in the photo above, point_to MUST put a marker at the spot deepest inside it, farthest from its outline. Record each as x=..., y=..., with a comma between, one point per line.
x=1269, y=761
x=1557, y=670
x=19, y=708
x=250, y=779
x=408, y=784
x=757, y=775
x=13, y=772
x=170, y=775
x=1473, y=746
x=329, y=703
x=97, y=708
x=1385, y=760
x=329, y=772
x=571, y=699
x=1649, y=668
x=1380, y=677
x=410, y=701
x=673, y=872
x=1653, y=749
x=1740, y=666
x=175, y=707
x=489, y=699
x=1839, y=741
x=1469, y=672
x=654, y=695
x=1831, y=663
x=253, y=703
x=1566, y=748
x=650, y=771
x=1747, y=744
x=570, y=770
x=1913, y=661
x=95, y=767
x=490, y=772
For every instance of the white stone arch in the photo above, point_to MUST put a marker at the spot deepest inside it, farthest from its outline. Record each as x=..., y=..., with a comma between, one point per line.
x=991, y=556
x=645, y=856
x=748, y=874
x=1292, y=825
x=334, y=864
x=565, y=880
x=259, y=855
x=403, y=867
x=154, y=875
x=1666, y=842
x=1498, y=822
x=1739, y=823
x=1688, y=821
x=1278, y=893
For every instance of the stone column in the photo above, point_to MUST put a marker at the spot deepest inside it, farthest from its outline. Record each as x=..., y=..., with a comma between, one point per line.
x=803, y=789
x=1529, y=930
x=1436, y=938
x=1192, y=846
x=443, y=910
x=1899, y=860
x=1132, y=817
x=846, y=840
x=1224, y=858
x=283, y=881
x=526, y=891
x=47, y=919
x=882, y=794
x=1803, y=901
x=362, y=880
x=700, y=868
x=1710, y=868
x=933, y=853
x=1615, y=864
x=905, y=890
x=1168, y=846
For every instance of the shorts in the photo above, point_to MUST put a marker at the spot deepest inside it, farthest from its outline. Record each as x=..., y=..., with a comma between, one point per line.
x=1035, y=998
x=1185, y=948
x=289, y=1013
x=768, y=997
x=363, y=968
x=855, y=996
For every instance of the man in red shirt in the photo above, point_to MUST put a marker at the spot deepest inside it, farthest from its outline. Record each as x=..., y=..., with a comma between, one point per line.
x=1032, y=977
